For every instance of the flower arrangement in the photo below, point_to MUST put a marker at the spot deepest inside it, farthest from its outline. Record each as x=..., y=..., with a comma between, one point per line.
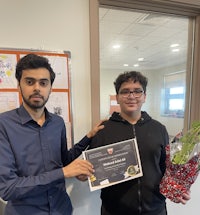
x=182, y=163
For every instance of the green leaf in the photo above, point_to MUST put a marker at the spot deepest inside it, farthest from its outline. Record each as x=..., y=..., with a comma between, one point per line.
x=189, y=140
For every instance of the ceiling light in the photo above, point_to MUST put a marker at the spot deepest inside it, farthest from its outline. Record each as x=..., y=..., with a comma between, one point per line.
x=174, y=45
x=175, y=50
x=136, y=65
x=125, y=64
x=140, y=59
x=116, y=46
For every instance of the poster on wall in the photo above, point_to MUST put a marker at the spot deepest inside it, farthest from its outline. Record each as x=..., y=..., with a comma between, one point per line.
x=8, y=101
x=59, y=64
x=114, y=106
x=7, y=71
x=58, y=104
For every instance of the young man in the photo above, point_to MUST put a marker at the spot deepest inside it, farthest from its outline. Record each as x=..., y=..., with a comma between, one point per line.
x=139, y=196
x=34, y=159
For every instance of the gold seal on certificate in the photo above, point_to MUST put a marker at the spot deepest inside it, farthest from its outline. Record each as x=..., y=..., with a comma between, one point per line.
x=92, y=178
x=132, y=170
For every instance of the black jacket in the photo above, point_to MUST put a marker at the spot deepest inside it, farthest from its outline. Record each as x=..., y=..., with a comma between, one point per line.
x=141, y=195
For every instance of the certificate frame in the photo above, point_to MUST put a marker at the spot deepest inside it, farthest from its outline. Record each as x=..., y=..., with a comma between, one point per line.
x=114, y=163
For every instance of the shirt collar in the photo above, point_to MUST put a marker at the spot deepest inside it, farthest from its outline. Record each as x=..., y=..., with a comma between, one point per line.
x=25, y=116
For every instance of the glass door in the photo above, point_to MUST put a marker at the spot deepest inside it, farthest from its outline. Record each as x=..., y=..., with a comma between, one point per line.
x=153, y=43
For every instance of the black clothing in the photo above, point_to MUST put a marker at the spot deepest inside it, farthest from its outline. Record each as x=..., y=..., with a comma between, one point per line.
x=105, y=212
x=141, y=195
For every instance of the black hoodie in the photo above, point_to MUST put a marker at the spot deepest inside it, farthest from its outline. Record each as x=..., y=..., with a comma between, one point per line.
x=141, y=195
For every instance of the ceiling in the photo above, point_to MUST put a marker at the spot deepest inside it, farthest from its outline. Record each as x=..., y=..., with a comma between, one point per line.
x=141, y=35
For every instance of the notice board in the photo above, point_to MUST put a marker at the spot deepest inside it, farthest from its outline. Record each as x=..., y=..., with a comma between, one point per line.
x=59, y=100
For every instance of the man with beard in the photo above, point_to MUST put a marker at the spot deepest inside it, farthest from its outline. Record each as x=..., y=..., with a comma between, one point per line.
x=34, y=159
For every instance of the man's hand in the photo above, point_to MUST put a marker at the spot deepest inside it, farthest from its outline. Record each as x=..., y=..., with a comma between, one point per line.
x=185, y=197
x=82, y=177
x=78, y=167
x=96, y=128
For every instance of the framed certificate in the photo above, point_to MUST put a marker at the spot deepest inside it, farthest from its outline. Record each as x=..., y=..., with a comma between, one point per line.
x=114, y=163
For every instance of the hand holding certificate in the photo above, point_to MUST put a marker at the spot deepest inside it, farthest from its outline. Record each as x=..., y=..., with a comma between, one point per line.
x=114, y=163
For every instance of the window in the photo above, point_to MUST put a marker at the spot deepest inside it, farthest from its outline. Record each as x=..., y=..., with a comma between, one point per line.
x=174, y=95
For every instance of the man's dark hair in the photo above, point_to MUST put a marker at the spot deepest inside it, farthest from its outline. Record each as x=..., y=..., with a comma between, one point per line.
x=33, y=61
x=130, y=76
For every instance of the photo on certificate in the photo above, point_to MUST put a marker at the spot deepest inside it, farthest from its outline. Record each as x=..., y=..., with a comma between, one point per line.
x=114, y=163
